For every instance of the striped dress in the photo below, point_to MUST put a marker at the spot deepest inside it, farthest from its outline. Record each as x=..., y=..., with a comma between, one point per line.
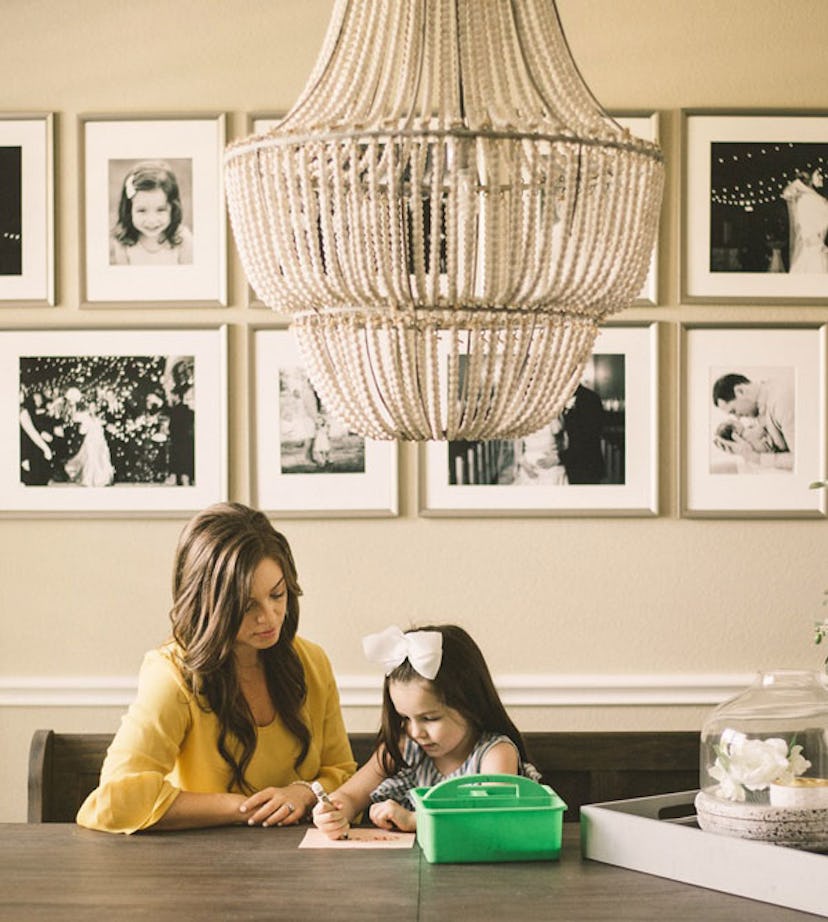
x=421, y=772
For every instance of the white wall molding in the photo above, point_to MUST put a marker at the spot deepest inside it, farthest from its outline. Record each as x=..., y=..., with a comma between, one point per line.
x=650, y=690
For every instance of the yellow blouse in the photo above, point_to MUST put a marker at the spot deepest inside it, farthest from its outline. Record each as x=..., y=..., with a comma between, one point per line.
x=166, y=744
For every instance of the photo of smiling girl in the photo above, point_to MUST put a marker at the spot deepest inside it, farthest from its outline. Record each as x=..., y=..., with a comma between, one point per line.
x=150, y=228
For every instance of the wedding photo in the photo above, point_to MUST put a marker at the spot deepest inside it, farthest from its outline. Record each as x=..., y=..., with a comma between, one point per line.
x=107, y=421
x=585, y=444
x=755, y=206
x=596, y=457
x=769, y=207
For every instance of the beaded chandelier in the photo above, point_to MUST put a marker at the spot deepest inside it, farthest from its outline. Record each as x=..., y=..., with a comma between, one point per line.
x=447, y=214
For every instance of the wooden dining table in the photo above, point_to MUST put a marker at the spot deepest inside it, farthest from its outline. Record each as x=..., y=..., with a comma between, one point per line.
x=63, y=873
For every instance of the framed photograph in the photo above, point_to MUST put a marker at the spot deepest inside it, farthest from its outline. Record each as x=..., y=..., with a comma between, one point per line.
x=598, y=458
x=27, y=244
x=753, y=420
x=259, y=123
x=305, y=461
x=112, y=421
x=755, y=191
x=153, y=220
x=644, y=125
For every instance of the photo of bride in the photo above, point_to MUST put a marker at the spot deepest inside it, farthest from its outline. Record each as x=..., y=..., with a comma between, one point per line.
x=808, y=222
x=769, y=207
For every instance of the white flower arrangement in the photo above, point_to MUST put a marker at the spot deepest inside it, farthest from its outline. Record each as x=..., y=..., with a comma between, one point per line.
x=744, y=765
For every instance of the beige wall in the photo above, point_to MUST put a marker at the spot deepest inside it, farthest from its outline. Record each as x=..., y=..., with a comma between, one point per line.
x=613, y=623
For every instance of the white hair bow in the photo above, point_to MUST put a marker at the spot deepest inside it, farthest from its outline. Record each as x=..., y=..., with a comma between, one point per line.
x=423, y=649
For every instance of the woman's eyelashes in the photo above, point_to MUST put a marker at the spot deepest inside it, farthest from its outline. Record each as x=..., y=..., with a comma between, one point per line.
x=275, y=595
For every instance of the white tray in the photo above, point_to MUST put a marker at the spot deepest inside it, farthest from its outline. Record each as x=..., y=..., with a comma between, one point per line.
x=631, y=834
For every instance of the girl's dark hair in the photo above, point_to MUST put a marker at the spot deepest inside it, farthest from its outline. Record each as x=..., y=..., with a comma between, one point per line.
x=144, y=177
x=217, y=554
x=463, y=683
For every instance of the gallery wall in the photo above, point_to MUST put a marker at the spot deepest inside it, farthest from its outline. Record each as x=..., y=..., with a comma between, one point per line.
x=588, y=622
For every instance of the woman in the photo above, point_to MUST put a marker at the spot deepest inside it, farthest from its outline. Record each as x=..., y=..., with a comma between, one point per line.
x=35, y=450
x=236, y=715
x=808, y=219
x=92, y=465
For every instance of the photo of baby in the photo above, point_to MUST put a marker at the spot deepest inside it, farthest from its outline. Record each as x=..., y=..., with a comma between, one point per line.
x=752, y=419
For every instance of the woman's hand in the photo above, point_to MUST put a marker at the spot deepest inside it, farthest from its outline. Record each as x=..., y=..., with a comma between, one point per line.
x=331, y=820
x=276, y=806
x=391, y=815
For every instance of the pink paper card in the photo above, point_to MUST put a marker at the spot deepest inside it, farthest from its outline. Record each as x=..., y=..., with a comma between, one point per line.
x=359, y=838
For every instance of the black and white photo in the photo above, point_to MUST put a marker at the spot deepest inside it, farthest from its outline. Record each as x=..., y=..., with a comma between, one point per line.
x=769, y=208
x=584, y=444
x=596, y=457
x=311, y=439
x=113, y=420
x=107, y=420
x=11, y=217
x=307, y=462
x=153, y=211
x=26, y=210
x=755, y=207
x=753, y=420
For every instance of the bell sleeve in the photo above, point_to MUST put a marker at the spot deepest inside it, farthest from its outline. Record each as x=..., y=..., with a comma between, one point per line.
x=134, y=792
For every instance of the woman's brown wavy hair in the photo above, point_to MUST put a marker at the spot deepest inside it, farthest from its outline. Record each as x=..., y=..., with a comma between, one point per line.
x=217, y=554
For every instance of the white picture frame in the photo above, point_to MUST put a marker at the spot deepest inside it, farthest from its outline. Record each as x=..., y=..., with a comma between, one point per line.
x=744, y=207
x=305, y=462
x=767, y=478
x=187, y=263
x=517, y=477
x=260, y=123
x=27, y=209
x=644, y=125
x=135, y=421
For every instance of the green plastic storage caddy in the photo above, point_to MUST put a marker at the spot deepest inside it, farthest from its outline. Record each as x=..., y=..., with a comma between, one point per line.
x=488, y=818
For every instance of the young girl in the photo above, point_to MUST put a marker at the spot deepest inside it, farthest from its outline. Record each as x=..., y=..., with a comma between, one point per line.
x=149, y=229
x=441, y=717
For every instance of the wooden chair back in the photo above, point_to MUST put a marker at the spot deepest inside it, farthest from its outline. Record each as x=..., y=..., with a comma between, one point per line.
x=63, y=769
x=591, y=767
x=583, y=768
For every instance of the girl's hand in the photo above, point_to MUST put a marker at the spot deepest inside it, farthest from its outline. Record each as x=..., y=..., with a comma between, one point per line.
x=275, y=807
x=391, y=815
x=331, y=820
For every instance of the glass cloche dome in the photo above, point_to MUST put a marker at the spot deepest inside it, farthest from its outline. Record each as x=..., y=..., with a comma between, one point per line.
x=764, y=762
